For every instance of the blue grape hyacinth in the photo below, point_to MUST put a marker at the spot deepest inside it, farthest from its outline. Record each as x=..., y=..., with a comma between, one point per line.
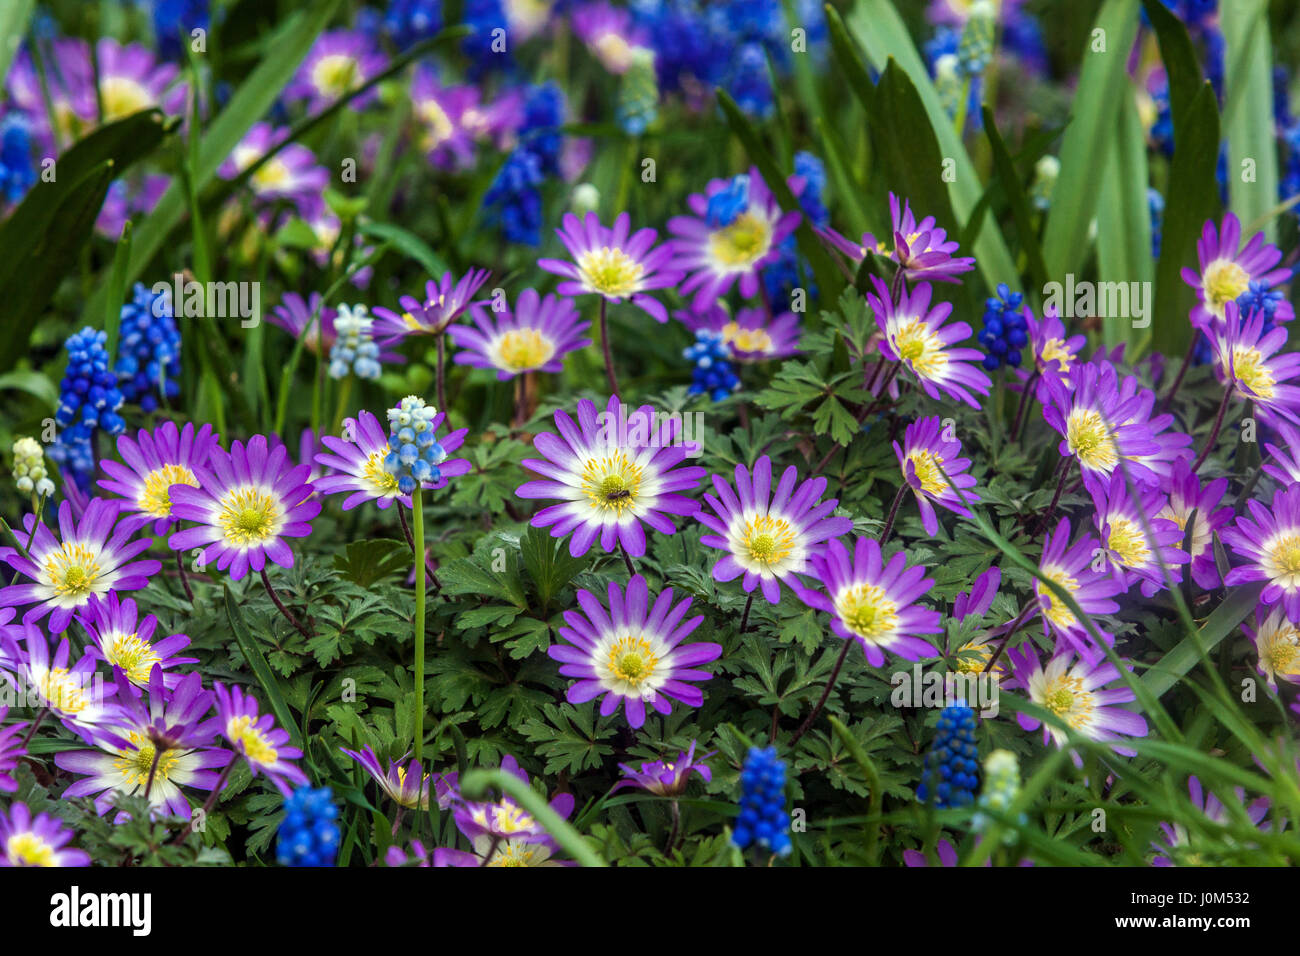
x=149, y=349
x=1005, y=331
x=712, y=373
x=309, y=834
x=763, y=819
x=414, y=452
x=89, y=399
x=952, y=765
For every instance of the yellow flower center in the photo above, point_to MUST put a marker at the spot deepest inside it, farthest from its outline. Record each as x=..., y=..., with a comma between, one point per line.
x=972, y=659
x=927, y=465
x=28, y=849
x=72, y=570
x=155, y=497
x=1087, y=435
x=521, y=350
x=122, y=97
x=746, y=340
x=742, y=243
x=381, y=480
x=514, y=853
x=335, y=74
x=1066, y=697
x=1128, y=543
x=918, y=345
x=632, y=659
x=257, y=749
x=1249, y=367
x=438, y=125
x=1057, y=611
x=767, y=541
x=1054, y=350
x=1281, y=651
x=249, y=516
x=868, y=611
x=134, y=764
x=507, y=818
x=1223, y=281
x=611, y=482
x=63, y=692
x=271, y=175
x=1283, y=560
x=134, y=656
x=610, y=271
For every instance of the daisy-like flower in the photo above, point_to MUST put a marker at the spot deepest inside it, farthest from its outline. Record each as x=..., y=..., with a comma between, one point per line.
x=977, y=601
x=926, y=449
x=300, y=319
x=610, y=35
x=915, y=335
x=441, y=114
x=749, y=335
x=611, y=473
x=444, y=302
x=1227, y=270
x=535, y=337
x=503, y=819
x=1071, y=567
x=736, y=230
x=74, y=693
x=613, y=264
x=1074, y=689
x=1277, y=643
x=1285, y=464
x=407, y=785
x=1170, y=446
x=36, y=841
x=358, y=465
x=152, y=463
x=256, y=738
x=632, y=652
x=92, y=555
x=768, y=536
x=666, y=778
x=1096, y=425
x=1246, y=355
x=872, y=602
x=1187, y=495
x=921, y=249
x=248, y=501
x=1055, y=352
x=1177, y=846
x=340, y=61
x=158, y=749
x=131, y=79
x=291, y=174
x=12, y=750
x=1271, y=543
x=127, y=644
x=1123, y=521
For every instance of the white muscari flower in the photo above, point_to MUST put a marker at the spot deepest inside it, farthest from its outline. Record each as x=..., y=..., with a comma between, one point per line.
x=354, y=350
x=29, y=468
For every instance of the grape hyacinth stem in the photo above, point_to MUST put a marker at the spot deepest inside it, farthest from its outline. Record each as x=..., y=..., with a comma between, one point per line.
x=418, y=521
x=440, y=388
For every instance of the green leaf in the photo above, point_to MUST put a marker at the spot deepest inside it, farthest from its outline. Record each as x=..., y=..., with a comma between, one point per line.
x=14, y=15
x=548, y=562
x=1236, y=607
x=1090, y=134
x=34, y=384
x=1179, y=58
x=117, y=290
x=1248, y=112
x=465, y=576
x=408, y=243
x=372, y=560
x=252, y=652
x=1014, y=190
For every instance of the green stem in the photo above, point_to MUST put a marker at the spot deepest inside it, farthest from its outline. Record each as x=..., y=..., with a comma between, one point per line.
x=345, y=390
x=417, y=508
x=475, y=785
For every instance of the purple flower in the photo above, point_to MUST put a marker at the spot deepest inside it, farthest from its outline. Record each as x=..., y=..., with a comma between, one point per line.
x=39, y=841
x=750, y=335
x=292, y=174
x=609, y=262
x=921, y=249
x=418, y=855
x=12, y=749
x=91, y=556
x=123, y=642
x=979, y=599
x=444, y=302
x=256, y=738
x=872, y=602
x=1187, y=495
x=1176, y=847
x=300, y=319
x=632, y=652
x=927, y=453
x=534, y=337
x=1071, y=567
x=1227, y=270
x=1285, y=466
x=1271, y=545
x=340, y=61
x=1247, y=358
x=666, y=778
x=1136, y=542
x=611, y=473
x=73, y=693
x=407, y=785
x=248, y=501
x=503, y=819
x=609, y=34
x=768, y=536
x=152, y=463
x=1277, y=644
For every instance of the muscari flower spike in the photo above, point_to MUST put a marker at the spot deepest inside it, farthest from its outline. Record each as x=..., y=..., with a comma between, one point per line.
x=1005, y=331
x=354, y=350
x=711, y=371
x=763, y=819
x=951, y=767
x=30, y=476
x=309, y=834
x=414, y=453
x=1001, y=787
x=149, y=349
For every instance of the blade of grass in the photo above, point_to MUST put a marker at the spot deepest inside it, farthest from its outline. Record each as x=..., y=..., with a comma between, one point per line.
x=1248, y=112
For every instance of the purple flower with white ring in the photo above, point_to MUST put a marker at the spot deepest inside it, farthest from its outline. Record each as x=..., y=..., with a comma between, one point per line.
x=1271, y=545
x=928, y=453
x=154, y=461
x=534, y=337
x=12, y=750
x=292, y=174
x=1227, y=270
x=921, y=249
x=406, y=784
x=36, y=841
x=1247, y=356
x=1072, y=568
x=340, y=61
x=1136, y=542
x=444, y=302
x=1186, y=495
x=255, y=737
x=124, y=641
x=666, y=778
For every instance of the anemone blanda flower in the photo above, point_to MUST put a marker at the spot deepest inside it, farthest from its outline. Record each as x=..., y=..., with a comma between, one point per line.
x=306, y=319
x=12, y=749
x=92, y=555
x=1277, y=645
x=1137, y=543
x=406, y=784
x=927, y=452
x=154, y=461
x=666, y=778
x=340, y=61
x=1096, y=425
x=1177, y=844
x=1170, y=446
x=632, y=651
x=749, y=334
x=1071, y=567
x=736, y=228
x=612, y=472
x=125, y=641
x=158, y=749
x=1186, y=495
x=1246, y=355
x=974, y=655
x=503, y=819
x=1228, y=268
x=609, y=33
x=451, y=119
x=358, y=465
x=768, y=535
x=73, y=693
x=256, y=738
x=1074, y=689
x=292, y=174
x=1285, y=466
x=248, y=501
x=613, y=263
x=921, y=249
x=36, y=841
x=534, y=337
x=1271, y=545
x=916, y=335
x=872, y=602
x=978, y=600
x=418, y=855
x=444, y=302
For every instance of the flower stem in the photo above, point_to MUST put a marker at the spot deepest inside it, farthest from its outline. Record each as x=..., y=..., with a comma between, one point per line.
x=744, y=618
x=345, y=390
x=1056, y=498
x=1025, y=402
x=418, y=514
x=826, y=693
x=1006, y=638
x=441, y=375
x=1214, y=432
x=36, y=722
x=893, y=513
x=212, y=798
x=605, y=346
x=627, y=560
x=275, y=599
x=185, y=581
x=1182, y=370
